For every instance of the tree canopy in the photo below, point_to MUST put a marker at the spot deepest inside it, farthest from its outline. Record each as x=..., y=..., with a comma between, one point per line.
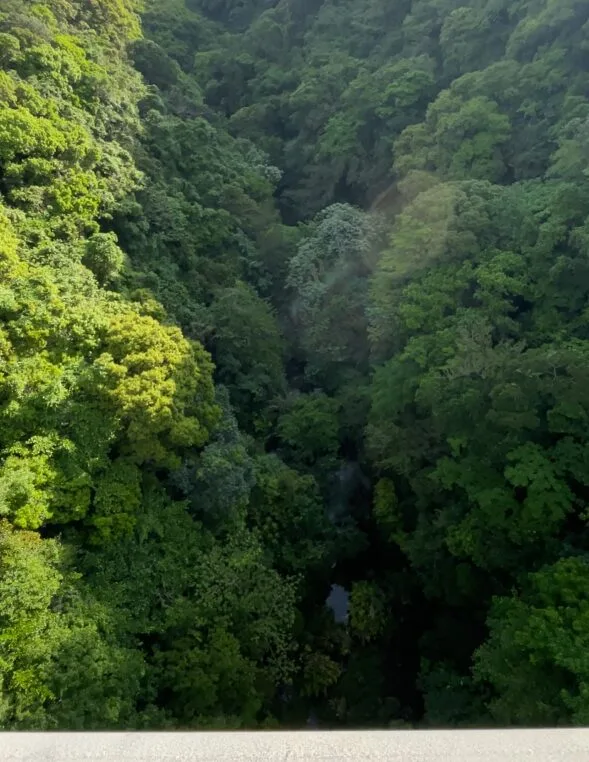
x=293, y=299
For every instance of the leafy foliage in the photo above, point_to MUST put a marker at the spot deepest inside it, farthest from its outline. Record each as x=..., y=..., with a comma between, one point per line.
x=293, y=295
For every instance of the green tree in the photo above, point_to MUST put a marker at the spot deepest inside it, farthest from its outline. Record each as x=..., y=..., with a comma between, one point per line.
x=535, y=656
x=328, y=277
x=309, y=429
x=248, y=351
x=286, y=509
x=459, y=139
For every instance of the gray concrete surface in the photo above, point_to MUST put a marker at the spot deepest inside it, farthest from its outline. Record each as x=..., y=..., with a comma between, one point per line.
x=398, y=746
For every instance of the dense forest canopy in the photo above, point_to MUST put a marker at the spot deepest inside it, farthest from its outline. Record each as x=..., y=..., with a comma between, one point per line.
x=294, y=363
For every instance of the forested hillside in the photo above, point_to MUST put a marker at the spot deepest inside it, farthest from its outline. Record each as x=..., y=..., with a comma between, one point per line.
x=294, y=363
